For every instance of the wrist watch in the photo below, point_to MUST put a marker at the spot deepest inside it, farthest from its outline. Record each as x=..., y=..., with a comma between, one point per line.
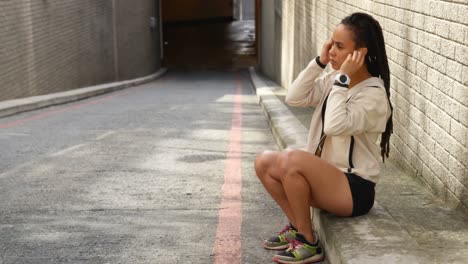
x=342, y=80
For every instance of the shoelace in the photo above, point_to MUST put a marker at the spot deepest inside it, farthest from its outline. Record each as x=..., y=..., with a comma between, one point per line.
x=293, y=244
x=285, y=229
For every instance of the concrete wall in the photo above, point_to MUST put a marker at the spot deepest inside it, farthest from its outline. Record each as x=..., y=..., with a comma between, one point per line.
x=248, y=9
x=270, y=39
x=56, y=45
x=236, y=9
x=427, y=46
x=138, y=44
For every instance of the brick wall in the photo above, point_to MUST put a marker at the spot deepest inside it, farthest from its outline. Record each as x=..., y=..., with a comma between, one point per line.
x=427, y=46
x=56, y=45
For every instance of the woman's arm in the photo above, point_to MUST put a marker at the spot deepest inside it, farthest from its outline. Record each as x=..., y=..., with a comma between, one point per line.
x=306, y=89
x=366, y=111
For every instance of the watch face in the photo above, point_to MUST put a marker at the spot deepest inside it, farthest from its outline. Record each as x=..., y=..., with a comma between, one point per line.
x=343, y=78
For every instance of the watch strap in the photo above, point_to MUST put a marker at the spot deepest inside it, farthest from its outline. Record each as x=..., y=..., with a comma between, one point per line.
x=337, y=83
x=317, y=60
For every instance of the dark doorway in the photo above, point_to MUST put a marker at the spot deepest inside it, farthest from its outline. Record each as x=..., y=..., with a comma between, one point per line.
x=206, y=34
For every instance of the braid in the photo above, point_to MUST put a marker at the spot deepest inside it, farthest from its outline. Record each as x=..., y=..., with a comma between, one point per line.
x=368, y=33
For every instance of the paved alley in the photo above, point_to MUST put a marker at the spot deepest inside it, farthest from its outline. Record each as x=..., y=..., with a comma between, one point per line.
x=136, y=176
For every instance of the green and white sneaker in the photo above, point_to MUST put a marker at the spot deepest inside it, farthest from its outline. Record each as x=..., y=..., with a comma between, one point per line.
x=300, y=251
x=281, y=241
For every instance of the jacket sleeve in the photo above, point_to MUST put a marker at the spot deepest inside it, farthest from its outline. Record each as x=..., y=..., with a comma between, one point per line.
x=366, y=111
x=307, y=89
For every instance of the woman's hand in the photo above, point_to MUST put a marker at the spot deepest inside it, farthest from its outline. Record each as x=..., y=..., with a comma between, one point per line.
x=325, y=56
x=353, y=62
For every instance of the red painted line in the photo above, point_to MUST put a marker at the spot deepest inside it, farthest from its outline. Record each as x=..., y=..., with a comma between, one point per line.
x=227, y=246
x=61, y=110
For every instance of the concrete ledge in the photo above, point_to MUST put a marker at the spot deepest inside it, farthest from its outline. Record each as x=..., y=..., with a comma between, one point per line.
x=408, y=224
x=291, y=133
x=12, y=107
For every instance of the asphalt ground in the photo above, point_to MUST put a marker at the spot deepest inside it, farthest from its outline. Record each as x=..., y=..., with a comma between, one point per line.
x=136, y=175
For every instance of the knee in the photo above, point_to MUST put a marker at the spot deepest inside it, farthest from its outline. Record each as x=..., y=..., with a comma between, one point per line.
x=263, y=162
x=289, y=163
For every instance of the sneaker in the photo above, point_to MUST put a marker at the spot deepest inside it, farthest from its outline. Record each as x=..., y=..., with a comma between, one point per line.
x=281, y=241
x=300, y=251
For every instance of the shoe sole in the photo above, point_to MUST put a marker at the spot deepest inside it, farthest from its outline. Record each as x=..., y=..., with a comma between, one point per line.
x=277, y=247
x=305, y=261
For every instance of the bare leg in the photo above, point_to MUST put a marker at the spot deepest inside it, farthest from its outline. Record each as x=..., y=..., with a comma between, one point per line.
x=267, y=171
x=298, y=193
x=306, y=177
x=298, y=179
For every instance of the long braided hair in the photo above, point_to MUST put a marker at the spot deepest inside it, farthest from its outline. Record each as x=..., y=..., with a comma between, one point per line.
x=368, y=33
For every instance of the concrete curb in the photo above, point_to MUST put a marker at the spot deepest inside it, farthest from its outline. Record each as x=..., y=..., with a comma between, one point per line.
x=12, y=107
x=288, y=131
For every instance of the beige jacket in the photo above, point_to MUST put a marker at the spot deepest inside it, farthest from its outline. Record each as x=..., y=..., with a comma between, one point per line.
x=360, y=113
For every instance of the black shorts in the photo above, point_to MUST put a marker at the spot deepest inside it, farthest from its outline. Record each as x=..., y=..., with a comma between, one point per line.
x=363, y=192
